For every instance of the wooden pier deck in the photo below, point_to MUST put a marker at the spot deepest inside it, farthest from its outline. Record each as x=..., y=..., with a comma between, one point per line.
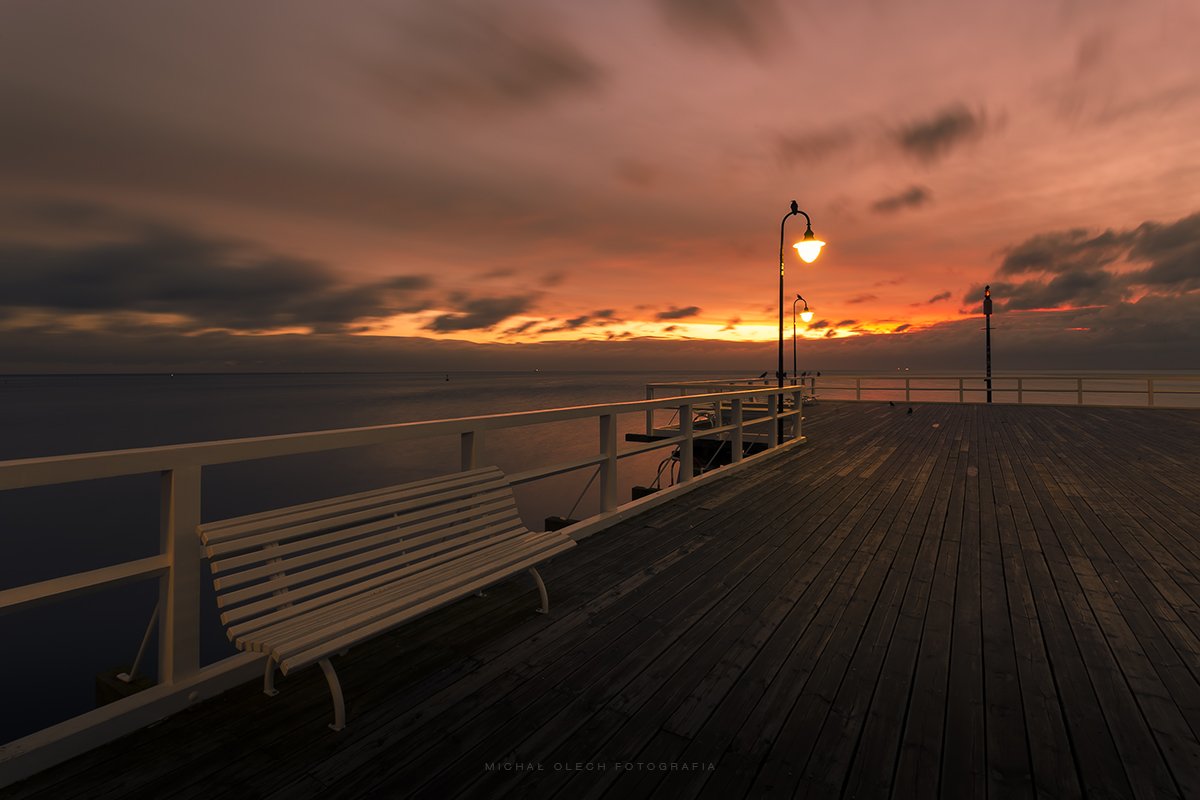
x=966, y=601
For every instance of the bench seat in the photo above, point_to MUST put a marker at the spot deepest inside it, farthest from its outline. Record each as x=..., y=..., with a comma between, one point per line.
x=303, y=583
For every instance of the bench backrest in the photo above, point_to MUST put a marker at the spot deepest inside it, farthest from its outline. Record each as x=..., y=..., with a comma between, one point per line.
x=330, y=549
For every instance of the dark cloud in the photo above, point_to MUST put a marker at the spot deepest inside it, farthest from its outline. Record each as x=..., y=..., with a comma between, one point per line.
x=678, y=313
x=1065, y=251
x=901, y=328
x=493, y=274
x=846, y=323
x=481, y=313
x=861, y=298
x=524, y=326
x=819, y=324
x=1080, y=287
x=829, y=334
x=912, y=197
x=931, y=139
x=1173, y=252
x=1077, y=268
x=552, y=278
x=753, y=26
x=939, y=297
x=603, y=317
x=731, y=324
x=146, y=157
x=463, y=57
x=211, y=282
x=803, y=148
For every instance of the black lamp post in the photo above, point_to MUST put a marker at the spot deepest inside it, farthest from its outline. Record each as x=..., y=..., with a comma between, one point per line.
x=987, y=315
x=805, y=315
x=808, y=248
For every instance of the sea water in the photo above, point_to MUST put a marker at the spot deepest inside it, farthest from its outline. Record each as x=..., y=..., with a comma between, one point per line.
x=53, y=652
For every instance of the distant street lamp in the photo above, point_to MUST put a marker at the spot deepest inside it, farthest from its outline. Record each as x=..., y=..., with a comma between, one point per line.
x=808, y=248
x=805, y=315
x=987, y=315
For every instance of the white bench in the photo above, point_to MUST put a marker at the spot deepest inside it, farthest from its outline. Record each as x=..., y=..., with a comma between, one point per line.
x=303, y=583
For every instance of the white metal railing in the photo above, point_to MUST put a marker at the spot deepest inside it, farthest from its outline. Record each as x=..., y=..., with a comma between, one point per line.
x=178, y=565
x=1158, y=390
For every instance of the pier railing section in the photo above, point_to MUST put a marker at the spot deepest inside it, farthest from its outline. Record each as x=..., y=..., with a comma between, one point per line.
x=1159, y=390
x=740, y=415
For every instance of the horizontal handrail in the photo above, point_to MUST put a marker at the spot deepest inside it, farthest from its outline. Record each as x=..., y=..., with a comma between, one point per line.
x=57, y=588
x=49, y=470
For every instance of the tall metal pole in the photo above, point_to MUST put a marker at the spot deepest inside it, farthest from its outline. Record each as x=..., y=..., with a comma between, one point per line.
x=779, y=369
x=794, y=372
x=987, y=315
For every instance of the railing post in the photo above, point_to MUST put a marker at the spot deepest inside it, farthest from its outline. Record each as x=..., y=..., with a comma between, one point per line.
x=179, y=589
x=907, y=389
x=1150, y=390
x=1020, y=391
x=773, y=436
x=798, y=407
x=608, y=467
x=469, y=446
x=649, y=412
x=858, y=388
x=1079, y=389
x=738, y=443
x=686, y=458
x=960, y=390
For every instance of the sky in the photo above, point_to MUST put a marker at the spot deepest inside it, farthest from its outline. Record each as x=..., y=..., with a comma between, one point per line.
x=474, y=184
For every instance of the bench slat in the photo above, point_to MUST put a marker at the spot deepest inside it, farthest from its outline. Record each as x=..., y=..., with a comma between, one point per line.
x=282, y=550
x=375, y=535
x=332, y=589
x=212, y=529
x=264, y=632
x=295, y=659
x=255, y=538
x=372, y=561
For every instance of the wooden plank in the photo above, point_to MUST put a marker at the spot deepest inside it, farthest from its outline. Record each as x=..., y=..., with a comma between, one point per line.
x=872, y=770
x=814, y=647
x=1009, y=770
x=1049, y=746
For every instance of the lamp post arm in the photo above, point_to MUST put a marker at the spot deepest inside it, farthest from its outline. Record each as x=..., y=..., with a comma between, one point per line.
x=783, y=224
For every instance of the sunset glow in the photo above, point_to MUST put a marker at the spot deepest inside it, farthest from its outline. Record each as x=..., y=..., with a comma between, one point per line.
x=524, y=174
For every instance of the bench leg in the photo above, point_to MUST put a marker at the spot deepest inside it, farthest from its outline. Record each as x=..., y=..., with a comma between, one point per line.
x=335, y=691
x=269, y=678
x=545, y=609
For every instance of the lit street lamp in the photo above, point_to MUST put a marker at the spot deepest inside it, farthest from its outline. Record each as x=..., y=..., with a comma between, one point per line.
x=805, y=315
x=808, y=248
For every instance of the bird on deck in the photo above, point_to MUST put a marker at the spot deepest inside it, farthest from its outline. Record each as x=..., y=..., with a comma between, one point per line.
x=910, y=409
x=891, y=404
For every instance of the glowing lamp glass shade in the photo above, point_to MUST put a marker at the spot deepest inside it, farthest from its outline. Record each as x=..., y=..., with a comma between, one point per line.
x=809, y=249
x=806, y=315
